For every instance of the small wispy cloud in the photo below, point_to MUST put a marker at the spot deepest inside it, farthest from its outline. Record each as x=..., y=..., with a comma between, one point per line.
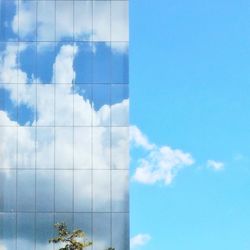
x=139, y=240
x=238, y=157
x=138, y=139
x=161, y=163
x=215, y=165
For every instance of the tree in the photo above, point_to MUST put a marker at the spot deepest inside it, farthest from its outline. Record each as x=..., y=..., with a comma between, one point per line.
x=70, y=239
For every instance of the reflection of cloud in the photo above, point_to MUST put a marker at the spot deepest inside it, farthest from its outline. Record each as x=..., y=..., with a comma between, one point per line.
x=161, y=163
x=24, y=22
x=215, y=165
x=139, y=240
x=36, y=147
x=110, y=21
x=10, y=73
x=138, y=139
x=63, y=67
x=62, y=105
x=64, y=116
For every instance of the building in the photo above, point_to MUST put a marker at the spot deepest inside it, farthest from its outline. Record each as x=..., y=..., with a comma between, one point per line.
x=63, y=121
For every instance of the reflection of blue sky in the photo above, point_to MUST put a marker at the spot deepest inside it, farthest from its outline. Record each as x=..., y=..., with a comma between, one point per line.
x=119, y=93
x=26, y=115
x=101, y=63
x=27, y=60
x=7, y=105
x=83, y=63
x=7, y=11
x=29, y=147
x=119, y=66
x=45, y=60
x=37, y=62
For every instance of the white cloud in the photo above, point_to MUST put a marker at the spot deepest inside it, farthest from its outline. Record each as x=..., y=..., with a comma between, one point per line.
x=215, y=165
x=138, y=139
x=139, y=240
x=161, y=163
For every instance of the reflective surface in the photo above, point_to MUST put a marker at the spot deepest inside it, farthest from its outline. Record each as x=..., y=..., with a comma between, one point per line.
x=63, y=121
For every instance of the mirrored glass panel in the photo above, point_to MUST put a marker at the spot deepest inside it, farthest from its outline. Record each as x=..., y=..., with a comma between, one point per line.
x=83, y=62
x=7, y=190
x=63, y=190
x=45, y=147
x=46, y=20
x=82, y=105
x=84, y=221
x=120, y=147
x=83, y=11
x=64, y=147
x=64, y=20
x=82, y=147
x=119, y=20
x=119, y=62
x=63, y=121
x=45, y=105
x=120, y=198
x=101, y=21
x=25, y=231
x=26, y=190
x=45, y=190
x=101, y=191
x=63, y=65
x=120, y=231
x=27, y=62
x=8, y=13
x=120, y=105
x=101, y=148
x=44, y=230
x=101, y=104
x=26, y=147
x=25, y=24
x=65, y=217
x=26, y=104
x=101, y=231
x=9, y=52
x=63, y=105
x=7, y=105
x=45, y=60
x=82, y=191
x=101, y=62
x=8, y=230
x=10, y=149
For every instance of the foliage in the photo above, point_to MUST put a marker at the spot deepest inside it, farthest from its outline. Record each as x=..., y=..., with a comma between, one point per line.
x=71, y=240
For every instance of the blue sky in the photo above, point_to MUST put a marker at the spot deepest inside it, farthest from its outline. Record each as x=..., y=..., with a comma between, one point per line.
x=189, y=76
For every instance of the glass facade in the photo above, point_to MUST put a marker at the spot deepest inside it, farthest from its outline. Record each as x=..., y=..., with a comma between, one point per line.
x=64, y=137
